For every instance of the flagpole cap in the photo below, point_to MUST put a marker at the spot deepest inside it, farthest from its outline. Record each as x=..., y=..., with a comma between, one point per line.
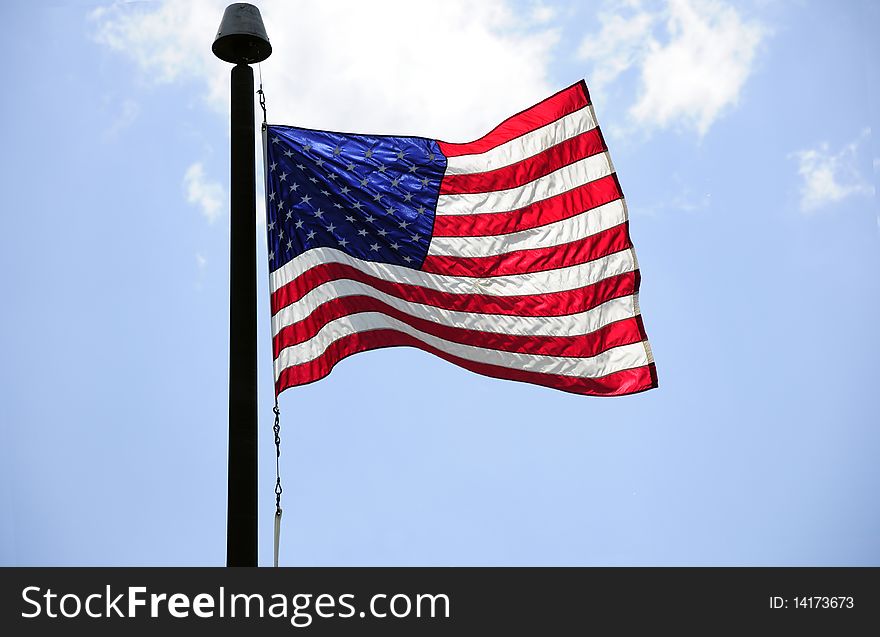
x=241, y=38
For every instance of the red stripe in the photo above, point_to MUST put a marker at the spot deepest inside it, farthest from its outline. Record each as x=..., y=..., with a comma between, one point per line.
x=564, y=102
x=535, y=259
x=618, y=383
x=529, y=169
x=550, y=304
x=568, y=204
x=621, y=332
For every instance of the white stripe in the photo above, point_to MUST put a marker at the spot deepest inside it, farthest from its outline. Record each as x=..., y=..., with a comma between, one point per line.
x=559, y=181
x=569, y=325
x=526, y=145
x=545, y=282
x=608, y=362
x=557, y=233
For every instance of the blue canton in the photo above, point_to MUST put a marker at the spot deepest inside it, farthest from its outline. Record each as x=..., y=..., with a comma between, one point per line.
x=371, y=196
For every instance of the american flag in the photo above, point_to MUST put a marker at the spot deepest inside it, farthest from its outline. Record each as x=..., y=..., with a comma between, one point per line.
x=509, y=256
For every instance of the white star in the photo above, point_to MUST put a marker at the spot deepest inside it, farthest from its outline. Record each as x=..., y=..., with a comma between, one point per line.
x=425, y=181
x=294, y=187
x=369, y=153
x=382, y=168
x=345, y=190
x=314, y=180
x=382, y=233
x=288, y=152
x=349, y=218
x=407, y=196
x=362, y=232
x=357, y=205
x=332, y=176
x=271, y=255
x=406, y=258
x=374, y=247
x=280, y=205
x=343, y=242
x=364, y=181
x=305, y=199
x=299, y=224
x=395, y=181
x=431, y=156
x=325, y=193
x=319, y=213
x=311, y=235
x=300, y=166
x=421, y=210
x=271, y=226
x=412, y=169
x=371, y=218
x=400, y=154
x=404, y=224
x=350, y=166
x=331, y=228
x=390, y=210
x=283, y=177
x=319, y=161
x=289, y=214
x=280, y=234
x=416, y=237
x=275, y=140
x=273, y=165
x=377, y=197
x=289, y=244
x=395, y=245
x=337, y=205
x=271, y=196
x=337, y=150
x=307, y=147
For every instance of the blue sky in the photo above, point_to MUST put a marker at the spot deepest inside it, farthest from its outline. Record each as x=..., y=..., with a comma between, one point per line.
x=742, y=135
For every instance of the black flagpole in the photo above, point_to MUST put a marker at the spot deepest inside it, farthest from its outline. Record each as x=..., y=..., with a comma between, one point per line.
x=242, y=40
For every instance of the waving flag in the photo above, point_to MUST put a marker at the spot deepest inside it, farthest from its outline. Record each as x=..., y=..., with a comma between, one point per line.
x=509, y=256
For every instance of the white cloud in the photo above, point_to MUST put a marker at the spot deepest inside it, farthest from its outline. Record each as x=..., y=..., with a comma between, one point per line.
x=830, y=177
x=691, y=73
x=451, y=69
x=201, y=261
x=542, y=13
x=200, y=191
x=622, y=42
x=125, y=117
x=148, y=35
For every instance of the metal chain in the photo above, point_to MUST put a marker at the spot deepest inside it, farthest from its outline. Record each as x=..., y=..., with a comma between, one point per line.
x=262, y=94
x=277, y=429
